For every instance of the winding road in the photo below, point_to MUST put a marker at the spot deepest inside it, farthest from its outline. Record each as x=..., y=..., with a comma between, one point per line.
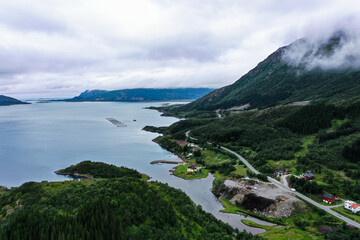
x=325, y=208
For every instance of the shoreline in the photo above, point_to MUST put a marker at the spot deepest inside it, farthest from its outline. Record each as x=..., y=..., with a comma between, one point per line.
x=243, y=213
x=170, y=150
x=75, y=175
x=165, y=161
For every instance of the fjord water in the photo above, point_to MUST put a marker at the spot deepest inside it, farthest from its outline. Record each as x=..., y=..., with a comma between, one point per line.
x=37, y=139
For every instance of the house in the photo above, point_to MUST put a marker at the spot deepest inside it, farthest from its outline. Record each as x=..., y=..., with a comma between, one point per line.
x=279, y=173
x=309, y=175
x=348, y=204
x=182, y=143
x=355, y=208
x=189, y=155
x=193, y=168
x=328, y=198
x=352, y=206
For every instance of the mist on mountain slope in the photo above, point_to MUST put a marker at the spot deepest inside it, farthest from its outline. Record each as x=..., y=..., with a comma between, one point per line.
x=336, y=51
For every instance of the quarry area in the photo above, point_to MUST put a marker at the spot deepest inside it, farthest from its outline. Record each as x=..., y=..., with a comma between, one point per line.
x=260, y=197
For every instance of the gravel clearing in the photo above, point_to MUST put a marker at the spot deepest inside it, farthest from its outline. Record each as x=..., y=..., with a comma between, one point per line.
x=265, y=190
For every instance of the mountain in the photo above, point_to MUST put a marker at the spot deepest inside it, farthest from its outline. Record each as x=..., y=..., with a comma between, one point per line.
x=142, y=94
x=323, y=71
x=4, y=100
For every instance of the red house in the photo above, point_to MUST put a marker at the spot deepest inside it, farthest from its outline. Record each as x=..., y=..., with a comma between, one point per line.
x=328, y=198
x=309, y=175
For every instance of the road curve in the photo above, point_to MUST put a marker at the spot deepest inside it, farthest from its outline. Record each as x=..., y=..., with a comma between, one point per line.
x=242, y=159
x=309, y=200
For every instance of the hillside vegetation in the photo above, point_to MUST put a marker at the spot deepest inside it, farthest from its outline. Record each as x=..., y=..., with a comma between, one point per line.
x=99, y=170
x=142, y=94
x=322, y=138
x=125, y=207
x=274, y=81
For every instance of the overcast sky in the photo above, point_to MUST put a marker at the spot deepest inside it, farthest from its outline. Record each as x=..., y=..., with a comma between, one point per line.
x=60, y=48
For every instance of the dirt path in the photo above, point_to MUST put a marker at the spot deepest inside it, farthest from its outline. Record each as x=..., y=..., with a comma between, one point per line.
x=283, y=180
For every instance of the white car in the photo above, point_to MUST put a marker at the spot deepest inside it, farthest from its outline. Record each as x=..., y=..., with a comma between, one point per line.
x=293, y=189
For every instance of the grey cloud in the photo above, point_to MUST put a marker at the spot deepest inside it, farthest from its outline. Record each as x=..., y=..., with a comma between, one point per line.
x=23, y=19
x=60, y=48
x=196, y=53
x=28, y=22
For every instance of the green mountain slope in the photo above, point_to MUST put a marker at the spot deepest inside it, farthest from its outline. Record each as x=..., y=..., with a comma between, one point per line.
x=277, y=81
x=142, y=94
x=4, y=100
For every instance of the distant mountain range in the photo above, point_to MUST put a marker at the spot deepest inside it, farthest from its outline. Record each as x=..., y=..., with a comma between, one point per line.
x=4, y=100
x=302, y=71
x=142, y=94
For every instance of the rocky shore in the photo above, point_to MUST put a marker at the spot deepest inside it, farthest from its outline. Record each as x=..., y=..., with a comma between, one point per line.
x=75, y=175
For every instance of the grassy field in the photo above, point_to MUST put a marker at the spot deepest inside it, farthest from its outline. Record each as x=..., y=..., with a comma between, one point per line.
x=336, y=123
x=240, y=170
x=210, y=157
x=306, y=141
x=284, y=164
x=347, y=213
x=285, y=233
x=282, y=233
x=256, y=225
x=291, y=164
x=181, y=171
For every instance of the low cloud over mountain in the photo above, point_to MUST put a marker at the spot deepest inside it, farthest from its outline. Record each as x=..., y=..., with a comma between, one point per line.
x=339, y=50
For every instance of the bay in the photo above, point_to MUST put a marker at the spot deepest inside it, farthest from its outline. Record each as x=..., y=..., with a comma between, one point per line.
x=37, y=139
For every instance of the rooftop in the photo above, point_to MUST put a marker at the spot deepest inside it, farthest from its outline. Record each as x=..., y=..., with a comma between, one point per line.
x=328, y=196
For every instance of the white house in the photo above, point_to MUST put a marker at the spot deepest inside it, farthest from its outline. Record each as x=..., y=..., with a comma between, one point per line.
x=352, y=206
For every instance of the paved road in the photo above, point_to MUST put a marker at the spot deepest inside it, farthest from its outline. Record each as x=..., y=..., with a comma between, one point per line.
x=325, y=208
x=243, y=160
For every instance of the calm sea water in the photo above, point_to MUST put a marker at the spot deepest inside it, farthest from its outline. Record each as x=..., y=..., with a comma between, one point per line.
x=37, y=139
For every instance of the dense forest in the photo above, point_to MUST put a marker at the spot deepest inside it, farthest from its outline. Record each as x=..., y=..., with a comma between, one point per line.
x=322, y=138
x=277, y=134
x=142, y=94
x=118, y=208
x=99, y=170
